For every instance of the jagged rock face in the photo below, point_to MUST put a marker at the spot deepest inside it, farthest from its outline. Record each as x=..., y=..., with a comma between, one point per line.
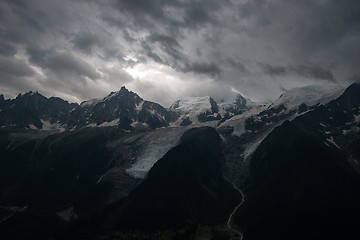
x=245, y=131
x=238, y=106
x=2, y=102
x=31, y=109
x=304, y=177
x=123, y=108
x=291, y=104
x=120, y=105
x=336, y=122
x=240, y=102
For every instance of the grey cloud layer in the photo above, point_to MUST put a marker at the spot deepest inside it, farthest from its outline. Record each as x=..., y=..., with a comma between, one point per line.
x=81, y=49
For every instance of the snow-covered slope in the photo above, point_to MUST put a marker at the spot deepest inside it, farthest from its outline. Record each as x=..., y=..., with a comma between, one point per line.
x=256, y=123
x=290, y=104
x=309, y=95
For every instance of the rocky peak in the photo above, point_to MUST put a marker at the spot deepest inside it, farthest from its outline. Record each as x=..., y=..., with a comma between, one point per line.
x=2, y=101
x=123, y=95
x=351, y=96
x=240, y=102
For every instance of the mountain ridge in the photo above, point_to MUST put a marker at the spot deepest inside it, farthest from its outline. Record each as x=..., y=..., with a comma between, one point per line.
x=122, y=108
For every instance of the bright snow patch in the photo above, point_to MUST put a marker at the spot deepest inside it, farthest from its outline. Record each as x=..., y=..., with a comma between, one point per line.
x=47, y=126
x=331, y=140
x=138, y=107
x=110, y=124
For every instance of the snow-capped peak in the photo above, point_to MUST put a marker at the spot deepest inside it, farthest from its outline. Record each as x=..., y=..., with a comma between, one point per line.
x=122, y=91
x=195, y=110
x=194, y=105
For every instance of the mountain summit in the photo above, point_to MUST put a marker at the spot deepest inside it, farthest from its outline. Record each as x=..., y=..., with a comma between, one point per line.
x=122, y=108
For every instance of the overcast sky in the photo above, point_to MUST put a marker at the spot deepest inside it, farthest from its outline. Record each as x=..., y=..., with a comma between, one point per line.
x=164, y=49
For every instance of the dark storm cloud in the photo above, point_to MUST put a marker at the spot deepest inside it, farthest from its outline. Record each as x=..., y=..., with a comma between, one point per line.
x=26, y=19
x=148, y=50
x=12, y=67
x=326, y=20
x=195, y=13
x=306, y=29
x=86, y=41
x=199, y=13
x=313, y=71
x=13, y=36
x=169, y=45
x=236, y=65
x=175, y=58
x=6, y=49
x=210, y=69
x=166, y=23
x=15, y=74
x=142, y=8
x=273, y=70
x=19, y=3
x=306, y=70
x=256, y=46
x=29, y=20
x=61, y=62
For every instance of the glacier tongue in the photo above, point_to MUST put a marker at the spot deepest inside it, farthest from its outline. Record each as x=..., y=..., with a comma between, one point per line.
x=157, y=143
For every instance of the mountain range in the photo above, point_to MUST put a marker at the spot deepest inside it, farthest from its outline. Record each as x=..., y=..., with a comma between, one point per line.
x=123, y=108
x=122, y=167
